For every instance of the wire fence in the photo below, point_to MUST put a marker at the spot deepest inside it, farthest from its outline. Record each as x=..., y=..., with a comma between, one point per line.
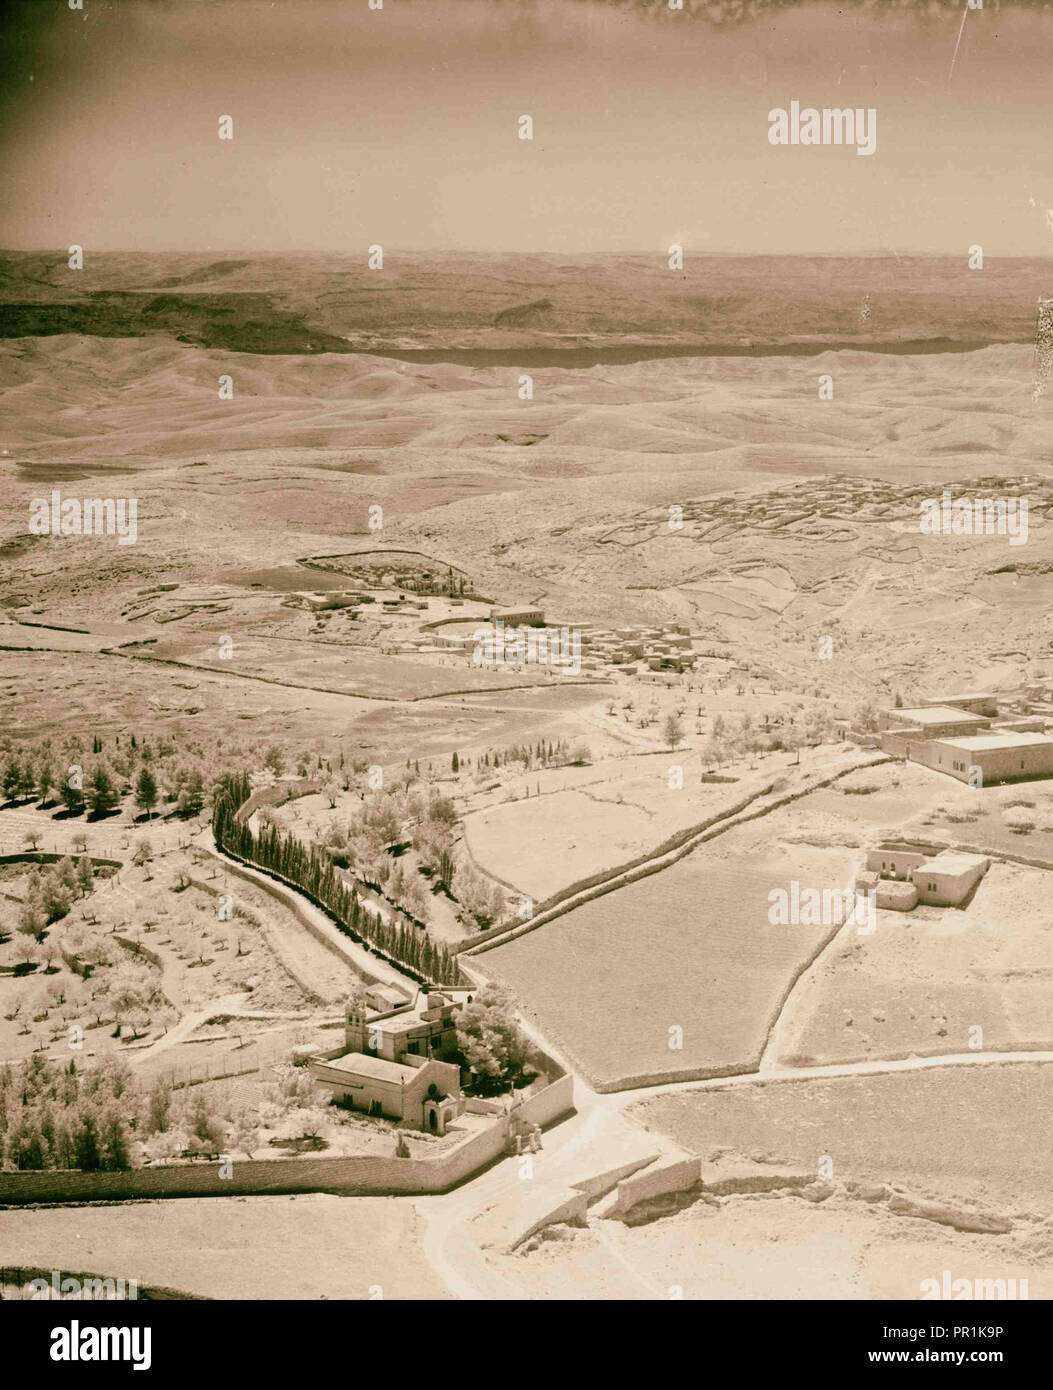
x=213, y=1069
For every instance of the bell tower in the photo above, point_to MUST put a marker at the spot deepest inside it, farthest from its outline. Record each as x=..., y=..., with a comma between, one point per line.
x=355, y=1030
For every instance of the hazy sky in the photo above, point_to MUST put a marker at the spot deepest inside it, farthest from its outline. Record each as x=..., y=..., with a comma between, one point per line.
x=399, y=126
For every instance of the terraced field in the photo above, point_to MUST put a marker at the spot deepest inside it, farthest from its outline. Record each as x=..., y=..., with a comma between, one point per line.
x=687, y=948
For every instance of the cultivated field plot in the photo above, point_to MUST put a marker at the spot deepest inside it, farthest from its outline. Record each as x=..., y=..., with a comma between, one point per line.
x=906, y=799
x=980, y=1132
x=924, y=981
x=689, y=947
x=110, y=694
x=889, y=799
x=347, y=670
x=160, y=947
x=618, y=811
x=470, y=724
x=310, y=1246
x=1015, y=819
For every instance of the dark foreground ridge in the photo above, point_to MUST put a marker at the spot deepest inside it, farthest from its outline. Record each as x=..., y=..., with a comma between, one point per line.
x=625, y=354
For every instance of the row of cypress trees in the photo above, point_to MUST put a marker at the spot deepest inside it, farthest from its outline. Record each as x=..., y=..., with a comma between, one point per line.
x=312, y=871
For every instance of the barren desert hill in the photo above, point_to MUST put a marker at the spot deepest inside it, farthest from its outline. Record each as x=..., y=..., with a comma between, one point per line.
x=71, y=398
x=799, y=515
x=462, y=302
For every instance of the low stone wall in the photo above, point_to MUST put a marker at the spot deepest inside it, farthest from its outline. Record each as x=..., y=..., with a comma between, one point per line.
x=684, y=842
x=268, y=882
x=138, y=949
x=1029, y=860
x=278, y=795
x=599, y=1184
x=542, y=1205
x=680, y=1175
x=360, y=1175
x=550, y=1104
x=38, y=856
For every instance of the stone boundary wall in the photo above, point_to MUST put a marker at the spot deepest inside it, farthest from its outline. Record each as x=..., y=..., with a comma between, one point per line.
x=359, y=1175
x=655, y=861
x=646, y=1079
x=544, y=1107
x=285, y=893
x=137, y=949
x=278, y=795
x=19, y=1276
x=679, y=1175
x=38, y=856
x=542, y=1205
x=601, y=882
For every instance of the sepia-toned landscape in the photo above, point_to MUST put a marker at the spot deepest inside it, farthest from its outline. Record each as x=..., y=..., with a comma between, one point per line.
x=338, y=953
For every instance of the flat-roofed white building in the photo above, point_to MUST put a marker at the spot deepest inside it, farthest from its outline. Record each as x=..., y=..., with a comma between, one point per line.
x=976, y=702
x=906, y=874
x=901, y=729
x=948, y=878
x=932, y=717
x=518, y=617
x=1002, y=755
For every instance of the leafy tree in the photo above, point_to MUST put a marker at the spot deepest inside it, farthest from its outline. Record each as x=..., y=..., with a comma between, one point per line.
x=673, y=730
x=207, y=1129
x=56, y=894
x=12, y=778
x=246, y=1135
x=114, y=1154
x=45, y=780
x=86, y=1144
x=159, y=1106
x=25, y=1148
x=146, y=791
x=442, y=811
x=27, y=780
x=72, y=796
x=489, y=1037
x=192, y=795
x=32, y=918
x=102, y=794
x=85, y=876
x=26, y=947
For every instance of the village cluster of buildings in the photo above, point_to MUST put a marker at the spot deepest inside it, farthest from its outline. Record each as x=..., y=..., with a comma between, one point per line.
x=628, y=650
x=631, y=650
x=966, y=737
x=636, y=650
